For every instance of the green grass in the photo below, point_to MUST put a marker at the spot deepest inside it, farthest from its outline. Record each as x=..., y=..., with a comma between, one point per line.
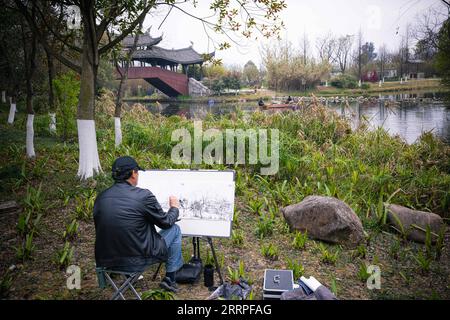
x=270, y=251
x=299, y=241
x=328, y=255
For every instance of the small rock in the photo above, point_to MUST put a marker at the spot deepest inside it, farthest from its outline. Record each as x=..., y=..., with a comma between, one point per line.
x=325, y=218
x=410, y=218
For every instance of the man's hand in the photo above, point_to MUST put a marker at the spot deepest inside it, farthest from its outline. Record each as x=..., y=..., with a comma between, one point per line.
x=173, y=202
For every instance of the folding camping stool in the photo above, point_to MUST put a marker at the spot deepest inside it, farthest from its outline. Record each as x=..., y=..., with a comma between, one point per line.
x=105, y=277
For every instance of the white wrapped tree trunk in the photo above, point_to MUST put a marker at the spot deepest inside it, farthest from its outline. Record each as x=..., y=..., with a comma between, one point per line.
x=117, y=131
x=12, y=113
x=4, y=96
x=87, y=140
x=30, y=136
x=52, y=127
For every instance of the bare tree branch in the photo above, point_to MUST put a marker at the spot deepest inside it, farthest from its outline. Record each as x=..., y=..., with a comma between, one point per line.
x=42, y=39
x=127, y=31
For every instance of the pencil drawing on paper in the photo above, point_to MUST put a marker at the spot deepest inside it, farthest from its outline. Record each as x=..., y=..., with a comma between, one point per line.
x=205, y=207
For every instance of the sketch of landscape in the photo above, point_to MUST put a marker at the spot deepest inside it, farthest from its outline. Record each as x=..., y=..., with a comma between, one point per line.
x=206, y=198
x=197, y=202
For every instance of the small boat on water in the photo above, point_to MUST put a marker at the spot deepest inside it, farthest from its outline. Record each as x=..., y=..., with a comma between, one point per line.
x=279, y=106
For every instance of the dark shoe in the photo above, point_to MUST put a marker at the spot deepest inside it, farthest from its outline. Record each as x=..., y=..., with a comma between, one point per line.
x=169, y=285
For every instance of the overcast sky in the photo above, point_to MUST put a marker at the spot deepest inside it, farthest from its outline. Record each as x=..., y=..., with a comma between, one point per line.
x=379, y=21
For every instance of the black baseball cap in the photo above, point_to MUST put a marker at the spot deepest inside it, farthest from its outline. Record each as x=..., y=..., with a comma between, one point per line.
x=124, y=164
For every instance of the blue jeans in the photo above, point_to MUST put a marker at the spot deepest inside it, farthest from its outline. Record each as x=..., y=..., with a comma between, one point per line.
x=172, y=237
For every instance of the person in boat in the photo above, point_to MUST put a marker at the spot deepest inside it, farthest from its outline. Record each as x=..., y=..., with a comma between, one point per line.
x=261, y=102
x=289, y=100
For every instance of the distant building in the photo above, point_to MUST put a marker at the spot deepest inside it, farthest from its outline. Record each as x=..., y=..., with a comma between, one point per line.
x=388, y=73
x=370, y=76
x=172, y=71
x=149, y=54
x=415, y=69
x=335, y=72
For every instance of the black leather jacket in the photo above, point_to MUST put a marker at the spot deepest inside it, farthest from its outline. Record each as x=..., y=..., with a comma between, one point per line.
x=125, y=217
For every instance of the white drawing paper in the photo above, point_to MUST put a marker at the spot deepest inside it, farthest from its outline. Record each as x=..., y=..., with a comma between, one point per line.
x=206, y=198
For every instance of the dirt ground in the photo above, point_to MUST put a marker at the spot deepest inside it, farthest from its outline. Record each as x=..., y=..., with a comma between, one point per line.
x=401, y=278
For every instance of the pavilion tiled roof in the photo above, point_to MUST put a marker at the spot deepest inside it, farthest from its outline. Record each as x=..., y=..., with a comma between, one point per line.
x=180, y=56
x=143, y=40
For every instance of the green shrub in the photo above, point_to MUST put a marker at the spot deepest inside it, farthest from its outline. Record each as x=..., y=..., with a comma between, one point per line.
x=5, y=284
x=423, y=261
x=136, y=134
x=34, y=199
x=41, y=125
x=237, y=237
x=344, y=81
x=28, y=222
x=333, y=285
x=26, y=249
x=84, y=205
x=361, y=251
x=209, y=260
x=67, y=90
x=299, y=241
x=157, y=294
x=255, y=205
x=270, y=251
x=363, y=275
x=71, y=231
x=233, y=274
x=64, y=256
x=265, y=226
x=328, y=256
x=296, y=267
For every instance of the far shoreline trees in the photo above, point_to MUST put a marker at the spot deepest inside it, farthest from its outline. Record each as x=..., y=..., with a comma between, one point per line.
x=289, y=68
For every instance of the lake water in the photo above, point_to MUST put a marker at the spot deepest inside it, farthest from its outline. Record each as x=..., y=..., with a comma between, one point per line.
x=408, y=119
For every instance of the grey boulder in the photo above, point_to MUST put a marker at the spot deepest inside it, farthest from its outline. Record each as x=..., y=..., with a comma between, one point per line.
x=325, y=218
x=414, y=222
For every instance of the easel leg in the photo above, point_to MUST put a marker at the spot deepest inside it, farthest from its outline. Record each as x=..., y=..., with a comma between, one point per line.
x=196, y=246
x=215, y=259
x=157, y=271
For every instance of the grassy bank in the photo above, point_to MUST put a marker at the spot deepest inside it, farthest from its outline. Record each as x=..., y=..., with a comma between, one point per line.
x=426, y=85
x=433, y=85
x=319, y=154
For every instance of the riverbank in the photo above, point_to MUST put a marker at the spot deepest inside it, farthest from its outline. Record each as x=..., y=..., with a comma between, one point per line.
x=319, y=155
x=426, y=85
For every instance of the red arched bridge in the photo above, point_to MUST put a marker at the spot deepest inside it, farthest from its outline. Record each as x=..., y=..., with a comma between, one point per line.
x=170, y=83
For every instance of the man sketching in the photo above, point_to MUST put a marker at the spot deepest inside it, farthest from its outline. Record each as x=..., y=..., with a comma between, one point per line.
x=125, y=217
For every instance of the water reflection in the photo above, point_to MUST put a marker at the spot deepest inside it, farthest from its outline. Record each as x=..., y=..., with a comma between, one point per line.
x=408, y=116
x=409, y=120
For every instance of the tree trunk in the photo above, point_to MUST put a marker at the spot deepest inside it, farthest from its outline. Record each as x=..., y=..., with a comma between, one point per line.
x=123, y=80
x=118, y=108
x=4, y=96
x=30, y=136
x=12, y=110
x=89, y=163
x=30, y=67
x=117, y=131
x=51, y=96
x=30, y=113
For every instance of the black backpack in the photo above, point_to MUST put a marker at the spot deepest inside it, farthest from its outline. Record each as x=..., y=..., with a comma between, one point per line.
x=190, y=272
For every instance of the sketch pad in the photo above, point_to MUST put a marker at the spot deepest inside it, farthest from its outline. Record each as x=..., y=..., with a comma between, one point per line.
x=206, y=198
